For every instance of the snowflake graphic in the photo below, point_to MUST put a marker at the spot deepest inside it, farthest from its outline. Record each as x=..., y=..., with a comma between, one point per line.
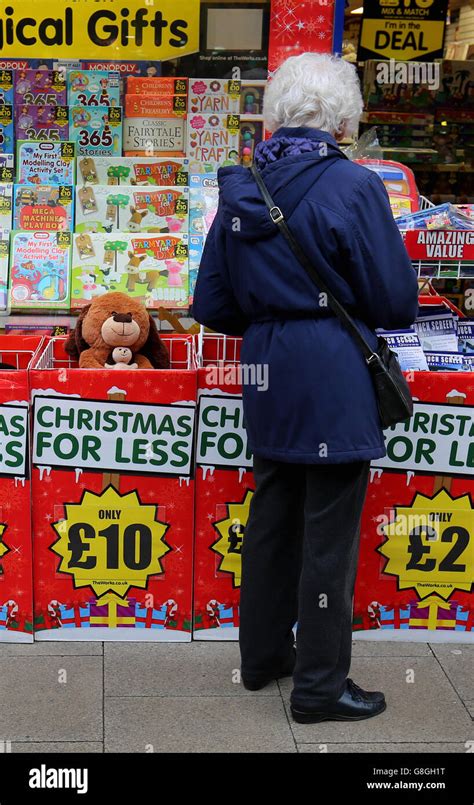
x=312, y=26
x=322, y=35
x=285, y=28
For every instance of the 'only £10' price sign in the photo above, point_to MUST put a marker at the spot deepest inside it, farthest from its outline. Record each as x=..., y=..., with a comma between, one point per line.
x=110, y=542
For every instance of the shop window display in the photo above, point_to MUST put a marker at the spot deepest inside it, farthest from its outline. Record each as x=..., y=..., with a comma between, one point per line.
x=108, y=173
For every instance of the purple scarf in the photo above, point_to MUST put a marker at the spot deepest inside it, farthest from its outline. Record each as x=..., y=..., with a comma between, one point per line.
x=269, y=151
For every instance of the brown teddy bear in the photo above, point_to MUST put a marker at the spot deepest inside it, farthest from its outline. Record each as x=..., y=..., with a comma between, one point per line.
x=116, y=320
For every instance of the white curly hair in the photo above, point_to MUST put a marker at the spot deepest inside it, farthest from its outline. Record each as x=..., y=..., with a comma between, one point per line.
x=315, y=90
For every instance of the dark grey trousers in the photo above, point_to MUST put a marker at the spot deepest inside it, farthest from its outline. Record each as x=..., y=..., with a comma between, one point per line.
x=299, y=562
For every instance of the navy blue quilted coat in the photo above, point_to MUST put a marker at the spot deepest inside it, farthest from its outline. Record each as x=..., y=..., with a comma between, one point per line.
x=320, y=405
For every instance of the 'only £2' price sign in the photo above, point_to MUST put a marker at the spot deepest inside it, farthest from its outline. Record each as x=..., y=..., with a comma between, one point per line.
x=430, y=545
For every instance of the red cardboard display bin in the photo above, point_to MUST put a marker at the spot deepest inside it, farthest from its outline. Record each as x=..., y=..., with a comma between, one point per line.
x=224, y=488
x=113, y=498
x=16, y=574
x=416, y=565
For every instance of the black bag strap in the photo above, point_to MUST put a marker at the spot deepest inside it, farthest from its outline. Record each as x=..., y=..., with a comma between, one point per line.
x=279, y=219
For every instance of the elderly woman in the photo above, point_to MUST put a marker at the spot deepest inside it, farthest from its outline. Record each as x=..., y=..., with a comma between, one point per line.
x=316, y=427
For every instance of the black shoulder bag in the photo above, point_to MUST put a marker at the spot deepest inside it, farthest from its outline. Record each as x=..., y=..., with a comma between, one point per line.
x=391, y=389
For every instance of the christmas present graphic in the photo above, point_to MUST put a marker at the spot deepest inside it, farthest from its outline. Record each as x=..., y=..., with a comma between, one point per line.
x=224, y=616
x=3, y=616
x=21, y=624
x=150, y=618
x=227, y=616
x=362, y=621
x=75, y=617
x=395, y=617
x=43, y=620
x=204, y=620
x=464, y=619
x=432, y=613
x=113, y=613
x=9, y=615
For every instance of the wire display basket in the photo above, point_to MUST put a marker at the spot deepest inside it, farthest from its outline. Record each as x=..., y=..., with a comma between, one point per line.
x=181, y=350
x=20, y=352
x=217, y=349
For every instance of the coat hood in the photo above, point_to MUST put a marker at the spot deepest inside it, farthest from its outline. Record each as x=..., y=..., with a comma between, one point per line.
x=290, y=163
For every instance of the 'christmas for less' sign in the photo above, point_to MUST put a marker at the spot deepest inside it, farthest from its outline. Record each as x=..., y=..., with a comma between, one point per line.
x=222, y=439
x=115, y=436
x=137, y=29
x=13, y=440
x=438, y=439
x=406, y=30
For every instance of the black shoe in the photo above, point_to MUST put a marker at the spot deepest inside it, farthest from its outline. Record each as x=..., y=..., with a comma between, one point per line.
x=355, y=704
x=258, y=684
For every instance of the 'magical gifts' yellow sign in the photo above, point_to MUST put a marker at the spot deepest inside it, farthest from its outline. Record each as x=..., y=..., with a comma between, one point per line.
x=87, y=29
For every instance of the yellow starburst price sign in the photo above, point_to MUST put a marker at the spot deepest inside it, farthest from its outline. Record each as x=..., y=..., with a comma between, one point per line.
x=231, y=530
x=3, y=548
x=430, y=545
x=110, y=542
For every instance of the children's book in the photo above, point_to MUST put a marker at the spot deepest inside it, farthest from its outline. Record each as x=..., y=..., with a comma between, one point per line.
x=96, y=130
x=213, y=141
x=93, y=88
x=151, y=267
x=214, y=96
x=203, y=202
x=102, y=208
x=154, y=136
x=45, y=162
x=155, y=105
x=158, y=171
x=4, y=257
x=39, y=270
x=7, y=95
x=156, y=85
x=196, y=248
x=41, y=87
x=6, y=207
x=7, y=133
x=48, y=208
x=41, y=122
